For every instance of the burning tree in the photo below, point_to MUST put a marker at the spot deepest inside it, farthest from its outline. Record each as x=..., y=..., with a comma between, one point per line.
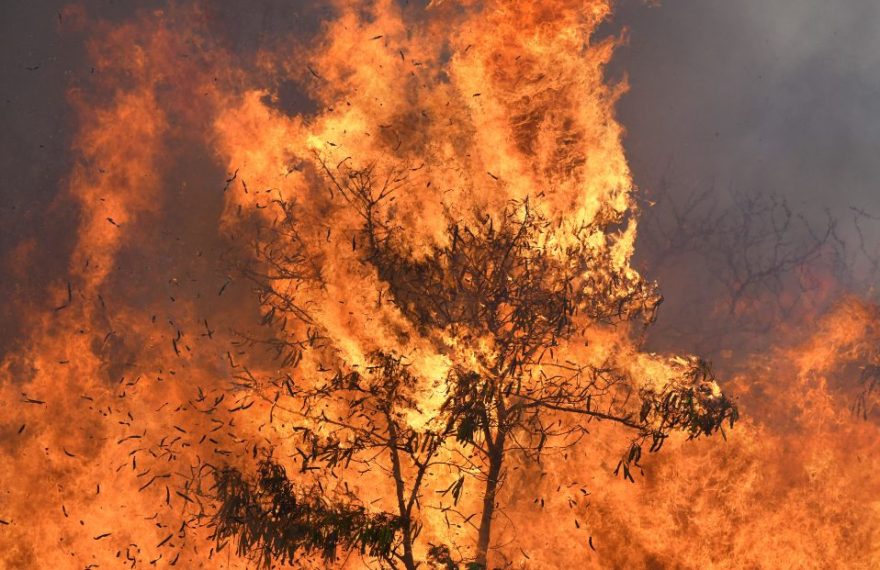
x=513, y=305
x=447, y=331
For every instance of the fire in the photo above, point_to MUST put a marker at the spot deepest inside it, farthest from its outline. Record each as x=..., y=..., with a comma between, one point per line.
x=409, y=306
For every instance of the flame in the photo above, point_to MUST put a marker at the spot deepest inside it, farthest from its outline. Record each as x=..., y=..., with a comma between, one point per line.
x=144, y=366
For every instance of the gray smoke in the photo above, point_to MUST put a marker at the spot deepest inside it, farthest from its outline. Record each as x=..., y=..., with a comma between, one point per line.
x=774, y=95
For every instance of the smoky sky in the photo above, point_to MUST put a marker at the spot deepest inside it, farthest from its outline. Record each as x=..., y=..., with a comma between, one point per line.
x=775, y=96
x=767, y=95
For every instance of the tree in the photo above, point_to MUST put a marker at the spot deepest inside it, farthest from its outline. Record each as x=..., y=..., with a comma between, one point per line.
x=768, y=265
x=510, y=300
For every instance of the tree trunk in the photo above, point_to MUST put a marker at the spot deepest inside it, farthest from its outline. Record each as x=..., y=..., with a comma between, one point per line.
x=496, y=457
x=409, y=561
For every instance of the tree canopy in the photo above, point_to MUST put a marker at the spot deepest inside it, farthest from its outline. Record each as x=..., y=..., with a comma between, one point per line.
x=513, y=305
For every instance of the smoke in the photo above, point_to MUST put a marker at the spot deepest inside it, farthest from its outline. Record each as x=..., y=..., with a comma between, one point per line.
x=743, y=103
x=771, y=95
